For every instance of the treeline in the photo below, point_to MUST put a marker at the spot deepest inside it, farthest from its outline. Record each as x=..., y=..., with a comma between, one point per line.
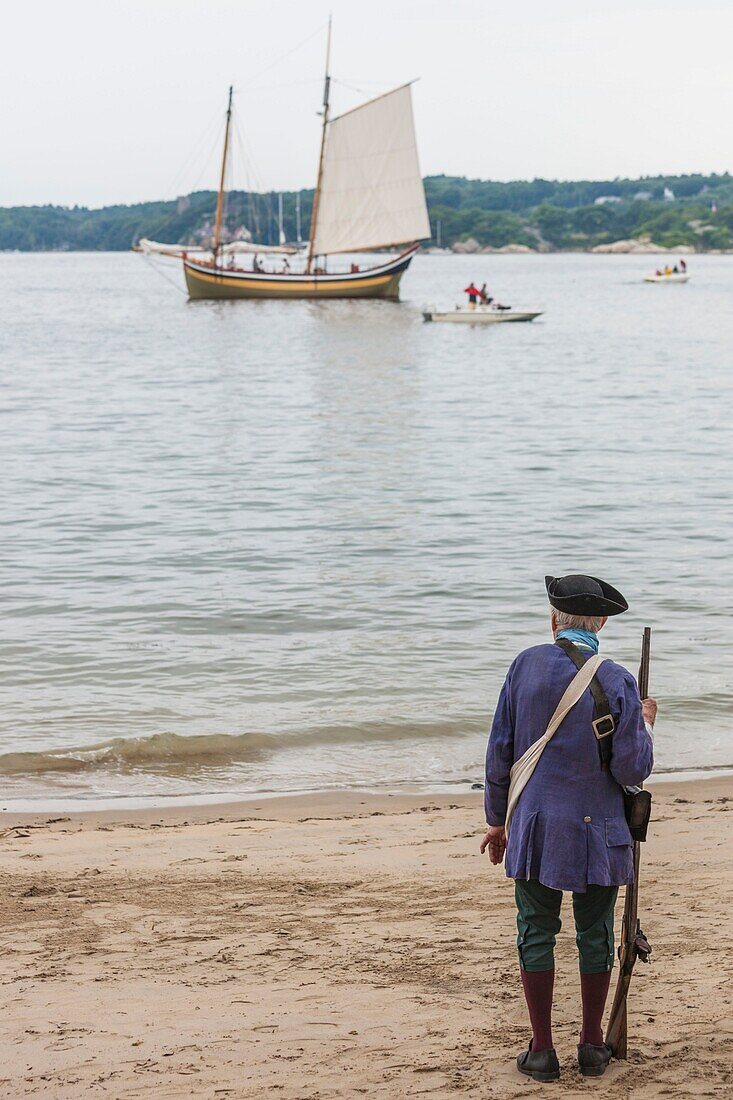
x=542, y=214
x=552, y=215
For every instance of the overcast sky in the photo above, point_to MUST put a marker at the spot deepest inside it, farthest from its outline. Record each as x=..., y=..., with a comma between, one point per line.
x=123, y=100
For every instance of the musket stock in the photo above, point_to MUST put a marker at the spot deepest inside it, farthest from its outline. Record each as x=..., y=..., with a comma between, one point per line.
x=634, y=944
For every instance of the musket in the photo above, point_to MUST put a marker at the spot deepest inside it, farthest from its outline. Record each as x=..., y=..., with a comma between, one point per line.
x=634, y=944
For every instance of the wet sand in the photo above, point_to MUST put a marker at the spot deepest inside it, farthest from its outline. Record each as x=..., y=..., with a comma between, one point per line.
x=334, y=946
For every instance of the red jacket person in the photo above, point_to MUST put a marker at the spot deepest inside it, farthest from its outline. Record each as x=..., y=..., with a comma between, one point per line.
x=473, y=293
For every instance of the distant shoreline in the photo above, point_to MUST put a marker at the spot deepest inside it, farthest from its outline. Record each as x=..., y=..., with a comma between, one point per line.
x=541, y=215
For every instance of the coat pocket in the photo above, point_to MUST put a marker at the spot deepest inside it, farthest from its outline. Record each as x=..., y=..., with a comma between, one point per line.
x=617, y=833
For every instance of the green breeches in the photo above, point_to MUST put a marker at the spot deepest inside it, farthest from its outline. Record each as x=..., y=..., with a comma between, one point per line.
x=538, y=923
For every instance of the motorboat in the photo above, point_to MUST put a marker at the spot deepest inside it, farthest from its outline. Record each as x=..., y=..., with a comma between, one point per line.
x=481, y=315
x=680, y=277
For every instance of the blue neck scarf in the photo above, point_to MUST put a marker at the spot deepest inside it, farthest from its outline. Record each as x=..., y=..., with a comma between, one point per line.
x=586, y=639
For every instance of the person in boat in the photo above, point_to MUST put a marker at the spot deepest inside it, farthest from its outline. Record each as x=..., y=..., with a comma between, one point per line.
x=286, y=266
x=484, y=296
x=257, y=265
x=568, y=831
x=658, y=273
x=473, y=294
x=668, y=270
x=675, y=270
x=683, y=267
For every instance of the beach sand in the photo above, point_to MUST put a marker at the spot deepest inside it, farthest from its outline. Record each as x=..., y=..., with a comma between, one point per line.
x=335, y=946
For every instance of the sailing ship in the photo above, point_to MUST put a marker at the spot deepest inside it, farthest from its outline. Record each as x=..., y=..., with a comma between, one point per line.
x=369, y=196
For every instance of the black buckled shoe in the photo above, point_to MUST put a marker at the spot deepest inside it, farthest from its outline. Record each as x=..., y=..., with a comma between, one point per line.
x=541, y=1065
x=593, y=1059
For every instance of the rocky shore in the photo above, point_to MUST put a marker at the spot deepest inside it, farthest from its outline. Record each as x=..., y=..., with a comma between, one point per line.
x=634, y=246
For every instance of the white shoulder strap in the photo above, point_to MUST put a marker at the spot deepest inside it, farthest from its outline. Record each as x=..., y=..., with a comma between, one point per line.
x=523, y=768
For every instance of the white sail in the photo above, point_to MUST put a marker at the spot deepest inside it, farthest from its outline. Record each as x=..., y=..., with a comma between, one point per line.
x=371, y=193
x=249, y=246
x=158, y=249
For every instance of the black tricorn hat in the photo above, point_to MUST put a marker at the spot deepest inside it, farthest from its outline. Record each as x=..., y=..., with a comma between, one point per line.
x=581, y=595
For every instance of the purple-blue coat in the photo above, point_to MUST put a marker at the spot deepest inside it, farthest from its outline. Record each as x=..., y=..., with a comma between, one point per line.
x=568, y=828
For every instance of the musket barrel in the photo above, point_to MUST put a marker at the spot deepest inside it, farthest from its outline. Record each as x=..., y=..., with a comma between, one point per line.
x=616, y=1033
x=646, y=645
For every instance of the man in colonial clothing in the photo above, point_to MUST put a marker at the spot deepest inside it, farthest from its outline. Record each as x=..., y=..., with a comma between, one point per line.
x=568, y=830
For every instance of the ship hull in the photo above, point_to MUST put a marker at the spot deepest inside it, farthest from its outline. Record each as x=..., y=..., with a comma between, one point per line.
x=383, y=281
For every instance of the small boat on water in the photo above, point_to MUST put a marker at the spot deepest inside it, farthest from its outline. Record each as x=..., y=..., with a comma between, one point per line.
x=481, y=315
x=678, y=278
x=369, y=197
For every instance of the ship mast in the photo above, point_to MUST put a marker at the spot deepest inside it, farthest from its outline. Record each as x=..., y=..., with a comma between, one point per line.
x=216, y=239
x=317, y=195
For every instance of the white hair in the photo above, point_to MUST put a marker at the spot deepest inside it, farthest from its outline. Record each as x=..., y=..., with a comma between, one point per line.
x=566, y=621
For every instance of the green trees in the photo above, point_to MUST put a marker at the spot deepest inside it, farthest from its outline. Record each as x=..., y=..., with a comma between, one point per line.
x=564, y=215
x=554, y=223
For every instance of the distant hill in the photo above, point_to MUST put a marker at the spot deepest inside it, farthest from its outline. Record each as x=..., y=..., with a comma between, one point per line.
x=547, y=215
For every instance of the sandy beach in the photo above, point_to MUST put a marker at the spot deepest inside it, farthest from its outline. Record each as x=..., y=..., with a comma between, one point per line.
x=334, y=946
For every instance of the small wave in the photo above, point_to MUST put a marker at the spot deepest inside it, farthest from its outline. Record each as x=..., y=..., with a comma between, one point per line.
x=171, y=752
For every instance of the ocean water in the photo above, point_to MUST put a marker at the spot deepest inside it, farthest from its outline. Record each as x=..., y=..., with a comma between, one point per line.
x=264, y=546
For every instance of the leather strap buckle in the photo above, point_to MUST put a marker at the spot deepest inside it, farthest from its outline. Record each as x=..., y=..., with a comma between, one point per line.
x=604, y=726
